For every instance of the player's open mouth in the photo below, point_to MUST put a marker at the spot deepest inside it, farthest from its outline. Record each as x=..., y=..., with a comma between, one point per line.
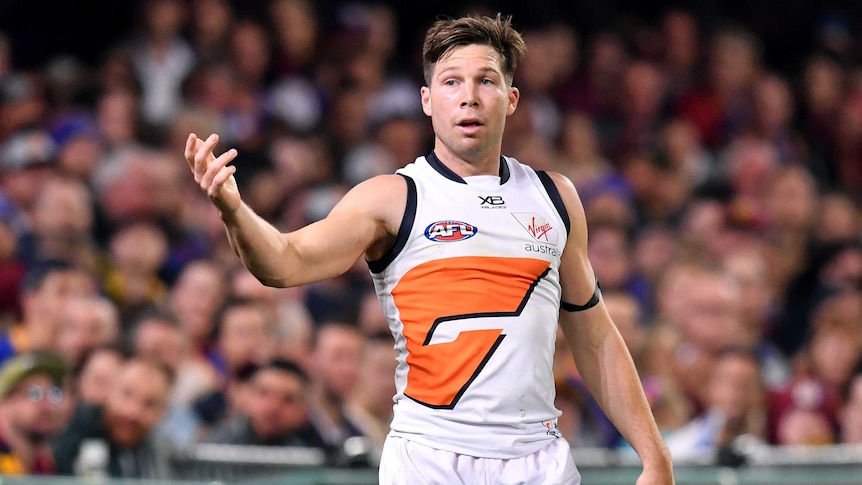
x=470, y=126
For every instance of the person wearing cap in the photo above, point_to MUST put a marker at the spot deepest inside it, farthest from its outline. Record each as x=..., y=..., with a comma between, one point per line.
x=25, y=159
x=33, y=410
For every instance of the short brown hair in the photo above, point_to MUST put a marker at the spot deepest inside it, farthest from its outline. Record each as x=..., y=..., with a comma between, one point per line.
x=496, y=32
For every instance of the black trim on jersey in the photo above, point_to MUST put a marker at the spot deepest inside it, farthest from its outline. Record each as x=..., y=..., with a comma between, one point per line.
x=594, y=300
x=445, y=171
x=554, y=194
x=504, y=171
x=491, y=351
x=404, y=230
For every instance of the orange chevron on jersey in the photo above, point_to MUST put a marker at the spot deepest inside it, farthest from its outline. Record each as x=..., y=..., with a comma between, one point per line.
x=471, y=287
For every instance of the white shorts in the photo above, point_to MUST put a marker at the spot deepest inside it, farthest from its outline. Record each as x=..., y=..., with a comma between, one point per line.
x=404, y=462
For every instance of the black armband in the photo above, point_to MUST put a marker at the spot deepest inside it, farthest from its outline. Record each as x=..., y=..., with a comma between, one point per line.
x=571, y=307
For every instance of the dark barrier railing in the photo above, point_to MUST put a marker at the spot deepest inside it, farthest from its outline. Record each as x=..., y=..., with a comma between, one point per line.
x=234, y=465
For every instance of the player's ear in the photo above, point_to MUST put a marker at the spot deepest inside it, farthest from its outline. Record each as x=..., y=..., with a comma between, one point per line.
x=426, y=100
x=514, y=96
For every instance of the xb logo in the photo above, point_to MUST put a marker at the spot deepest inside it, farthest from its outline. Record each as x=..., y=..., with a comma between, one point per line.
x=491, y=200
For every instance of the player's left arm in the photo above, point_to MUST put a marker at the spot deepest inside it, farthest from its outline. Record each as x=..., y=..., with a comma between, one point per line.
x=600, y=352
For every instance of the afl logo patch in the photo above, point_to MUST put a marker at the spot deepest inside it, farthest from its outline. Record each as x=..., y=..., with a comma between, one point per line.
x=450, y=231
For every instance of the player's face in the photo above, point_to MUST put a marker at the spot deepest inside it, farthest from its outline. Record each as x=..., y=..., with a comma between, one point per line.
x=468, y=101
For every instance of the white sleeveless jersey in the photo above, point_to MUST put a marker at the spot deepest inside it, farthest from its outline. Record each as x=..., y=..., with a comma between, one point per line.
x=471, y=291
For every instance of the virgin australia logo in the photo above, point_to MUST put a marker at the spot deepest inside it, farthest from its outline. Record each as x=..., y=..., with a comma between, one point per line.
x=538, y=227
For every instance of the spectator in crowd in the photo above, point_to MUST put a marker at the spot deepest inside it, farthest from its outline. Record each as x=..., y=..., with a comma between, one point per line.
x=116, y=114
x=369, y=407
x=33, y=387
x=291, y=325
x=835, y=343
x=681, y=45
x=735, y=405
x=612, y=260
x=162, y=59
x=721, y=106
x=87, y=323
x=804, y=415
x=11, y=268
x=662, y=350
x=155, y=335
x=580, y=155
x=96, y=374
x=22, y=104
x=850, y=415
x=195, y=300
x=210, y=28
x=25, y=160
x=244, y=334
x=371, y=319
x=123, y=425
x=838, y=219
x=335, y=362
x=707, y=317
x=63, y=223
x=80, y=147
x=138, y=250
x=245, y=337
x=628, y=317
x=803, y=427
x=275, y=410
x=45, y=291
x=748, y=266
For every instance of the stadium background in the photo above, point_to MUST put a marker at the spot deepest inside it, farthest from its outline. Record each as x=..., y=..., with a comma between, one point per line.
x=769, y=199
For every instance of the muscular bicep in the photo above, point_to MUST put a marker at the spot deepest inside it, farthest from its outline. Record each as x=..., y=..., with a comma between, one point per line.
x=363, y=219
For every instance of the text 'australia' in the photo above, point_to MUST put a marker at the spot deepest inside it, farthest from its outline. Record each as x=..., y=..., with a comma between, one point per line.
x=542, y=249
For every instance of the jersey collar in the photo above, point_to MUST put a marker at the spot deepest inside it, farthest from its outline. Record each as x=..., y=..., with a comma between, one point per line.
x=449, y=174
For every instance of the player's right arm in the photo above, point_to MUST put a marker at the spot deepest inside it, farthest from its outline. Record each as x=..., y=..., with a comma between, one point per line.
x=362, y=222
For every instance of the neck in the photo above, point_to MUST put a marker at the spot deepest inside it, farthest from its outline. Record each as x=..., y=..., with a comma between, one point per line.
x=467, y=166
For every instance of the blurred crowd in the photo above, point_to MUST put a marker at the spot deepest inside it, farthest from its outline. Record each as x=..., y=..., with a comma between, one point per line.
x=723, y=200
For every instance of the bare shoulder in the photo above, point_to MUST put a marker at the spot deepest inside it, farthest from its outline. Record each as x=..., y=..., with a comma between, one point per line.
x=564, y=185
x=381, y=190
x=570, y=196
x=382, y=197
x=382, y=186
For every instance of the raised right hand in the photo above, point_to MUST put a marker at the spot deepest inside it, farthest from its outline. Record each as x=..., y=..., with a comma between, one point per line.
x=213, y=174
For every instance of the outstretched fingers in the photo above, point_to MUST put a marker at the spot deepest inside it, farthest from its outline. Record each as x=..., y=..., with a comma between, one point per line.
x=221, y=177
x=204, y=156
x=217, y=172
x=191, y=144
x=211, y=172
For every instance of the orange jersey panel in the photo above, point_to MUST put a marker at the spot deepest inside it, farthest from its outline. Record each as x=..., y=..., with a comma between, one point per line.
x=466, y=287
